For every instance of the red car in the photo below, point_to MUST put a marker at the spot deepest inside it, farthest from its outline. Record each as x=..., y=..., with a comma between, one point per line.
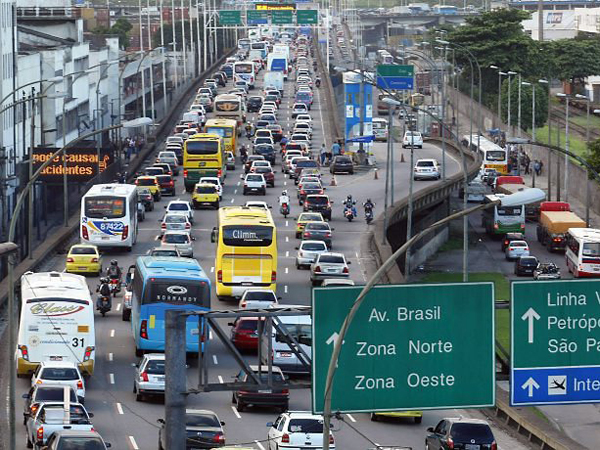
x=267, y=172
x=244, y=333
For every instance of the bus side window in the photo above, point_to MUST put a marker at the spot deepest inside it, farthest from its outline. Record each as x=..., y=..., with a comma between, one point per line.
x=213, y=235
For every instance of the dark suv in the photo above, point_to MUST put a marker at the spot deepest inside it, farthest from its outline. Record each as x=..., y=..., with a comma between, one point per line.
x=254, y=103
x=167, y=184
x=312, y=164
x=318, y=203
x=461, y=434
x=509, y=237
x=277, y=397
x=525, y=265
x=341, y=164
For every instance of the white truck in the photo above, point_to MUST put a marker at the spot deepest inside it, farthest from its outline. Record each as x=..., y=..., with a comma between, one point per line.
x=274, y=79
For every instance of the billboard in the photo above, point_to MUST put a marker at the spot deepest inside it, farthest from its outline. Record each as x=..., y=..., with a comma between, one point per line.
x=354, y=111
x=82, y=163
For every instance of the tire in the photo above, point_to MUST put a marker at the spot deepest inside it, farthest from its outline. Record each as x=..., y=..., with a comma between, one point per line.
x=240, y=406
x=103, y=313
x=126, y=315
x=139, y=353
x=233, y=398
x=139, y=397
x=29, y=444
x=217, y=205
x=374, y=417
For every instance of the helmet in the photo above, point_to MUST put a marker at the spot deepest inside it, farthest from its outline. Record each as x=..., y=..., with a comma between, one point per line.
x=284, y=193
x=368, y=200
x=349, y=197
x=103, y=280
x=114, y=262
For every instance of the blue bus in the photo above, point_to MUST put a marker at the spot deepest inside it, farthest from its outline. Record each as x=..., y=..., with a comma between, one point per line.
x=163, y=283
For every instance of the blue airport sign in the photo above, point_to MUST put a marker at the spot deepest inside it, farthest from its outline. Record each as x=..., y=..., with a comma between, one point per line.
x=395, y=76
x=363, y=139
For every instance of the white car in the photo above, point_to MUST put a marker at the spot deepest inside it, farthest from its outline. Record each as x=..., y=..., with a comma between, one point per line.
x=174, y=140
x=304, y=118
x=298, y=137
x=260, y=163
x=297, y=430
x=516, y=249
x=216, y=181
x=263, y=133
x=60, y=373
x=308, y=252
x=175, y=222
x=299, y=108
x=258, y=298
x=255, y=183
x=412, y=138
x=149, y=378
x=257, y=204
x=426, y=169
x=181, y=207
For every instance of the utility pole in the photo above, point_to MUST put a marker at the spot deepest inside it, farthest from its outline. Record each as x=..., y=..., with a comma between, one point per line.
x=175, y=379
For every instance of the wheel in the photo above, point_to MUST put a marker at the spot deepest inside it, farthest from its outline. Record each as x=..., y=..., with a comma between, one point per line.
x=374, y=417
x=217, y=205
x=103, y=313
x=240, y=406
x=29, y=444
x=233, y=398
x=139, y=352
x=139, y=397
x=134, y=389
x=126, y=315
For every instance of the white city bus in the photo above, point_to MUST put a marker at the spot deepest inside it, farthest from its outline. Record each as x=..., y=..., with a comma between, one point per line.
x=582, y=252
x=109, y=216
x=244, y=70
x=57, y=321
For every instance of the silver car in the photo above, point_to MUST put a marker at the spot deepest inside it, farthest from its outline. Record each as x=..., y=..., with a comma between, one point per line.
x=170, y=158
x=175, y=222
x=165, y=250
x=329, y=265
x=308, y=252
x=516, y=249
x=181, y=240
x=149, y=376
x=258, y=298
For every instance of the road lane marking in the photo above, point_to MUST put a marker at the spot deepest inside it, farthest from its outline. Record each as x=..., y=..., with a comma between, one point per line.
x=235, y=191
x=238, y=183
x=133, y=443
x=183, y=192
x=351, y=418
x=118, y=307
x=287, y=223
x=212, y=269
x=260, y=446
x=285, y=288
x=220, y=379
x=210, y=335
x=285, y=183
x=119, y=409
x=111, y=378
x=235, y=411
x=287, y=253
x=286, y=270
x=110, y=357
x=357, y=257
x=215, y=360
x=112, y=333
x=287, y=239
x=231, y=200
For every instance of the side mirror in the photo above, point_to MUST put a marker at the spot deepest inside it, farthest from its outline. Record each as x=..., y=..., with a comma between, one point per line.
x=25, y=396
x=348, y=262
x=193, y=238
x=213, y=235
x=165, y=206
x=222, y=423
x=430, y=429
x=108, y=444
x=324, y=188
x=279, y=298
x=297, y=248
x=333, y=229
x=91, y=415
x=230, y=324
x=161, y=421
x=269, y=424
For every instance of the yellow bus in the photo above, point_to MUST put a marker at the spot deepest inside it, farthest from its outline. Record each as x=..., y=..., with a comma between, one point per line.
x=203, y=156
x=417, y=99
x=226, y=128
x=246, y=255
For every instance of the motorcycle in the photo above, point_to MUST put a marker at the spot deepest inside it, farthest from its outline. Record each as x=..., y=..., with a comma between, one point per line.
x=318, y=83
x=284, y=209
x=104, y=305
x=248, y=134
x=369, y=215
x=348, y=213
x=115, y=286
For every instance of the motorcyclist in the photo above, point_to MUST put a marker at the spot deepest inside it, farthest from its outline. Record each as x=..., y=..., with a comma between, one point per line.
x=248, y=130
x=284, y=199
x=349, y=203
x=318, y=81
x=368, y=205
x=243, y=154
x=114, y=271
x=104, y=292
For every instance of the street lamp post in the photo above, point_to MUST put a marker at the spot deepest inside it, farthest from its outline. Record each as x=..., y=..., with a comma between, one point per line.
x=566, y=178
x=500, y=75
x=509, y=73
x=519, y=108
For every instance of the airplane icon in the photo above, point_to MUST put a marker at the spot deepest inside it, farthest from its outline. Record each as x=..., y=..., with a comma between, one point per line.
x=557, y=385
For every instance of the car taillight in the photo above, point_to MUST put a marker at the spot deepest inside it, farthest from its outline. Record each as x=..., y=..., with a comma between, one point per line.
x=306, y=234
x=285, y=391
x=163, y=225
x=331, y=439
x=494, y=446
x=33, y=409
x=285, y=439
x=557, y=239
x=523, y=226
x=495, y=226
x=188, y=226
x=273, y=276
x=70, y=260
x=220, y=276
x=327, y=234
x=136, y=182
x=24, y=352
x=185, y=173
x=40, y=434
x=144, y=329
x=219, y=439
x=88, y=353
x=219, y=173
x=94, y=260
x=505, y=242
x=302, y=192
x=125, y=232
x=318, y=269
x=79, y=384
x=450, y=444
x=243, y=304
x=171, y=183
x=345, y=270
x=144, y=376
x=84, y=233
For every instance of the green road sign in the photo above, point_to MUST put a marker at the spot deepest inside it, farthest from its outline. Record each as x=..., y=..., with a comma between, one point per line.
x=257, y=17
x=555, y=342
x=230, y=17
x=395, y=70
x=307, y=17
x=282, y=17
x=409, y=347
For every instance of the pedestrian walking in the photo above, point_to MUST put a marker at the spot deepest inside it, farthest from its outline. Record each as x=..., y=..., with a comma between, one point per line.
x=336, y=148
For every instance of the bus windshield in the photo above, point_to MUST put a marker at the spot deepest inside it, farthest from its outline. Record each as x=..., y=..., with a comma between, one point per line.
x=202, y=147
x=177, y=292
x=222, y=132
x=247, y=235
x=495, y=155
x=509, y=210
x=105, y=207
x=243, y=68
x=591, y=249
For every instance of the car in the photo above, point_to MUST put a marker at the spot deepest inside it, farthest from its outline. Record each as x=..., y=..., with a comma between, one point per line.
x=297, y=429
x=270, y=118
x=263, y=132
x=169, y=158
x=509, y=237
x=149, y=378
x=38, y=395
x=267, y=172
x=516, y=249
x=299, y=137
x=329, y=265
x=267, y=151
x=460, y=433
x=255, y=183
x=304, y=218
x=412, y=139
x=318, y=203
x=151, y=183
x=427, y=169
x=276, y=131
x=308, y=251
x=304, y=118
x=216, y=181
x=181, y=207
x=230, y=161
x=312, y=178
x=166, y=167
x=203, y=429
x=257, y=204
x=70, y=439
x=271, y=99
x=417, y=416
x=244, y=333
x=146, y=197
x=60, y=373
x=300, y=126
x=250, y=161
x=291, y=165
x=84, y=258
x=341, y=164
x=175, y=222
x=205, y=194
x=337, y=282
x=309, y=189
x=153, y=171
x=302, y=165
x=167, y=185
x=52, y=417
x=165, y=250
x=254, y=103
x=205, y=91
x=258, y=298
x=206, y=102
x=262, y=140
x=180, y=239
x=299, y=108
x=526, y=265
x=286, y=164
x=318, y=231
x=276, y=397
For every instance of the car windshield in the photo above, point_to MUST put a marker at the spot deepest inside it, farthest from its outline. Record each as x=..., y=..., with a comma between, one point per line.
x=83, y=251
x=80, y=443
x=262, y=169
x=179, y=207
x=260, y=295
x=206, y=189
x=175, y=218
x=59, y=374
x=146, y=182
x=317, y=226
x=164, y=253
x=200, y=420
x=314, y=246
x=105, y=207
x=471, y=432
x=331, y=259
x=301, y=332
x=156, y=367
x=342, y=159
x=176, y=238
x=317, y=200
x=307, y=217
x=518, y=244
x=530, y=261
x=306, y=186
x=164, y=178
x=425, y=164
x=305, y=426
x=254, y=178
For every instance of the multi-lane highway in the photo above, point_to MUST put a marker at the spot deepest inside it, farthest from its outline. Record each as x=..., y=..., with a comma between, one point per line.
x=129, y=424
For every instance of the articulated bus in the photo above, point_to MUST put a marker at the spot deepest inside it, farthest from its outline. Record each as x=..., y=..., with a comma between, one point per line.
x=244, y=70
x=203, y=156
x=109, y=216
x=231, y=106
x=246, y=255
x=500, y=220
x=582, y=252
x=57, y=321
x=162, y=283
x=493, y=156
x=226, y=128
x=244, y=44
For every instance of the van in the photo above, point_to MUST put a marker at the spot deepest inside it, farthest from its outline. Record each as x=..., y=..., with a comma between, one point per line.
x=300, y=327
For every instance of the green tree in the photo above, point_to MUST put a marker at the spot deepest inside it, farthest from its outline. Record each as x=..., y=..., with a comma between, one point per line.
x=575, y=59
x=120, y=28
x=541, y=103
x=593, y=157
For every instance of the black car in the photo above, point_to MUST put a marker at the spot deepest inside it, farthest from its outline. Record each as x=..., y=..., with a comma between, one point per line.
x=277, y=397
x=318, y=203
x=300, y=165
x=203, y=429
x=318, y=231
x=341, y=164
x=146, y=198
x=250, y=160
x=525, y=265
x=221, y=78
x=265, y=150
x=167, y=184
x=460, y=434
x=261, y=124
x=309, y=189
x=40, y=394
x=254, y=103
x=509, y=237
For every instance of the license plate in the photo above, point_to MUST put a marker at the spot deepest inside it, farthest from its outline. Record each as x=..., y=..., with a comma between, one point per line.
x=56, y=358
x=286, y=354
x=246, y=284
x=330, y=270
x=82, y=268
x=105, y=238
x=471, y=446
x=265, y=391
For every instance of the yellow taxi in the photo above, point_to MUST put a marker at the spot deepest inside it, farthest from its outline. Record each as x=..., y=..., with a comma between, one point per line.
x=417, y=416
x=205, y=194
x=306, y=217
x=84, y=258
x=151, y=183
